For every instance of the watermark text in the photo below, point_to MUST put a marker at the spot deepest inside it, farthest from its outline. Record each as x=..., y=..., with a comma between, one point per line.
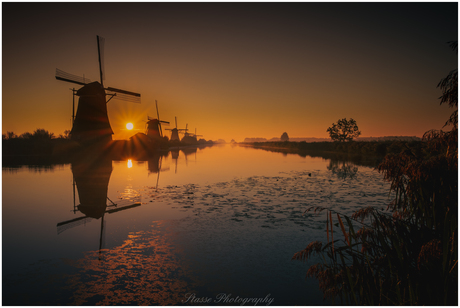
x=224, y=298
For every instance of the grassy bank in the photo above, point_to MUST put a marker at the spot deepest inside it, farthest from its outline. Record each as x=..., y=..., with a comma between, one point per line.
x=369, y=153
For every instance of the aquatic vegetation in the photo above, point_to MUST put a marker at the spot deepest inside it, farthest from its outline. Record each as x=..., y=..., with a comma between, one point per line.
x=277, y=201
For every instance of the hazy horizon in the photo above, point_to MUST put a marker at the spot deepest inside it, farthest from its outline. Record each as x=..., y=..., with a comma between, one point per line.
x=234, y=70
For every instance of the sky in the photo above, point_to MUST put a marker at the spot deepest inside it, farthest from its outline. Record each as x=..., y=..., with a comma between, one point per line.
x=233, y=70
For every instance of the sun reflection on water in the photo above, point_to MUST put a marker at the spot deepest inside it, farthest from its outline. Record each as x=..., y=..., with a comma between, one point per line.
x=145, y=270
x=130, y=163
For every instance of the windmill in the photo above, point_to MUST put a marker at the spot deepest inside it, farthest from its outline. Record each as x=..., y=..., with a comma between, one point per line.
x=195, y=135
x=154, y=130
x=175, y=132
x=186, y=134
x=91, y=122
x=189, y=138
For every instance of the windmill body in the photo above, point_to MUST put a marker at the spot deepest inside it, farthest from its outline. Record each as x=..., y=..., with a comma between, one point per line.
x=153, y=129
x=91, y=120
x=175, y=132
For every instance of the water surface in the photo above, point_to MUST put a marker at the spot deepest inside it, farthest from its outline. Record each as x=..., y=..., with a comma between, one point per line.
x=215, y=226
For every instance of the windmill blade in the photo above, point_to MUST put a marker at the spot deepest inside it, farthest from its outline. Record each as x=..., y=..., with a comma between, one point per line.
x=102, y=237
x=65, y=225
x=159, y=169
x=64, y=76
x=127, y=207
x=100, y=51
x=163, y=123
x=120, y=91
x=158, y=116
x=124, y=97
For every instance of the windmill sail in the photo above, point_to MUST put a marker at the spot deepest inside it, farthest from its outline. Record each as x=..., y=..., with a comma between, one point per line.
x=100, y=50
x=124, y=95
x=64, y=76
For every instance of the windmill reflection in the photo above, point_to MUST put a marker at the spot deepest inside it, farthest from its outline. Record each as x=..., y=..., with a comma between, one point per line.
x=154, y=165
x=344, y=171
x=175, y=156
x=186, y=151
x=91, y=179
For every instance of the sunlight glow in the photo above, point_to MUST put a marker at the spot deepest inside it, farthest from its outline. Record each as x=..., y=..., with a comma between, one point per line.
x=129, y=126
x=130, y=163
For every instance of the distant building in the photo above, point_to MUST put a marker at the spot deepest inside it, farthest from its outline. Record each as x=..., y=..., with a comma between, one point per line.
x=284, y=137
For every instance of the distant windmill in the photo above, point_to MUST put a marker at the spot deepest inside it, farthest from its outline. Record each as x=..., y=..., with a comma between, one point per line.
x=186, y=130
x=189, y=138
x=91, y=122
x=175, y=132
x=195, y=135
x=154, y=130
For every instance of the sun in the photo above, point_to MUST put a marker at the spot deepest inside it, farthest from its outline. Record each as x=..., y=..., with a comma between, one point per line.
x=129, y=126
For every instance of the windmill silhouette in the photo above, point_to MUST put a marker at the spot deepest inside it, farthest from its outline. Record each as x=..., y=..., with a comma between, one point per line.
x=154, y=130
x=91, y=122
x=175, y=132
x=195, y=135
x=189, y=138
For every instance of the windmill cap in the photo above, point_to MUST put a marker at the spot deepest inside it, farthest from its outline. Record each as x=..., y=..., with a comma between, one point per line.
x=93, y=88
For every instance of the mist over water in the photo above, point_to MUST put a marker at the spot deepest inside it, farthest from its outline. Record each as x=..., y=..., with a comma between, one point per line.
x=217, y=223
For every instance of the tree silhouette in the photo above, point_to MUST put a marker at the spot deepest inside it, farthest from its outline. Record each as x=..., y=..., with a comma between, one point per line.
x=344, y=130
x=9, y=135
x=284, y=137
x=41, y=133
x=449, y=88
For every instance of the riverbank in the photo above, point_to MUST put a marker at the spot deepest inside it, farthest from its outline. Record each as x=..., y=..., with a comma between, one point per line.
x=19, y=151
x=369, y=153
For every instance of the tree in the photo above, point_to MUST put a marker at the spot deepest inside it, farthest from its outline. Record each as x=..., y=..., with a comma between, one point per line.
x=10, y=135
x=26, y=136
x=449, y=88
x=344, y=130
x=284, y=137
x=41, y=133
x=66, y=134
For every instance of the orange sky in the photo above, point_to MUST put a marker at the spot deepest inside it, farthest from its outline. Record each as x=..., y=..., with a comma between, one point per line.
x=234, y=70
